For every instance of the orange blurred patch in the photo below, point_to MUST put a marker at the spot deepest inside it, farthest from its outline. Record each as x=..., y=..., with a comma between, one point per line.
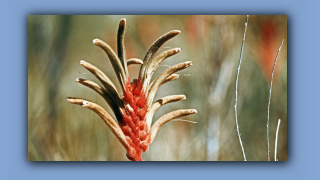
x=268, y=48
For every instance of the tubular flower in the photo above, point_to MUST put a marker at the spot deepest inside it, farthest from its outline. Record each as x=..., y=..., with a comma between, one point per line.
x=134, y=109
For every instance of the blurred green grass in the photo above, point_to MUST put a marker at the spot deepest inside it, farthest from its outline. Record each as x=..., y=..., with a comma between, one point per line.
x=58, y=131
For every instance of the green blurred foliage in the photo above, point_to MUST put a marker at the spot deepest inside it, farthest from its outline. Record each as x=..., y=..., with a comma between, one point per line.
x=58, y=131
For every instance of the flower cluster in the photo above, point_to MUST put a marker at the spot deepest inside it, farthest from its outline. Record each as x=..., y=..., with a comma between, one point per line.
x=134, y=110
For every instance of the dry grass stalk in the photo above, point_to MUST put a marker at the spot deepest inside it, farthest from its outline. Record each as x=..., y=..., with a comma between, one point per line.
x=271, y=79
x=276, y=141
x=236, y=98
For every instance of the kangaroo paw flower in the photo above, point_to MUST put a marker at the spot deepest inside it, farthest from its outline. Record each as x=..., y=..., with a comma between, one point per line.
x=134, y=109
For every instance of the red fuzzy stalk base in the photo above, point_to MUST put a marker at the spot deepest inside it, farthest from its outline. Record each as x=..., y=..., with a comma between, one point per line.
x=134, y=125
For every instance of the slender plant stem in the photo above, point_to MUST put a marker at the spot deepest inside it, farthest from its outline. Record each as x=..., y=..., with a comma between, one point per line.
x=236, y=100
x=274, y=65
x=276, y=141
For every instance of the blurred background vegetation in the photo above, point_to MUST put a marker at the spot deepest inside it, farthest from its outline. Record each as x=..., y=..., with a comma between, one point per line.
x=58, y=131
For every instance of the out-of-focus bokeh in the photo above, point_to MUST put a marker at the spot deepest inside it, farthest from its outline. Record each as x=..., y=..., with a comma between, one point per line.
x=60, y=131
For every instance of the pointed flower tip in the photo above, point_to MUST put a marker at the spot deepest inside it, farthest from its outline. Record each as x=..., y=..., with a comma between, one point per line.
x=194, y=111
x=122, y=23
x=78, y=79
x=184, y=97
x=96, y=41
x=68, y=99
x=178, y=50
x=82, y=62
x=189, y=63
x=84, y=103
x=176, y=31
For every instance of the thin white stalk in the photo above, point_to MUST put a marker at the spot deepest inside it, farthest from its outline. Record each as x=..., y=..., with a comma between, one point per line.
x=274, y=65
x=236, y=99
x=276, y=141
